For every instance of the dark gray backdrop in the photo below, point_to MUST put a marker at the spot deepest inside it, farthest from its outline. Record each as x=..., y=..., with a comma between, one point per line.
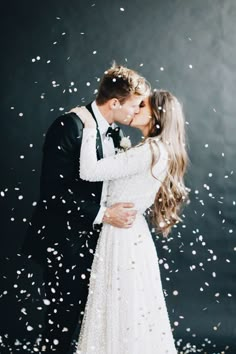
x=52, y=55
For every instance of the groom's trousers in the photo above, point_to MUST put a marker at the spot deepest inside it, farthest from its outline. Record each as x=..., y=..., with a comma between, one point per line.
x=66, y=289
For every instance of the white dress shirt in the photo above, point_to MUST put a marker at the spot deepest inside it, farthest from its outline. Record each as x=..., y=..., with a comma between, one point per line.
x=108, y=150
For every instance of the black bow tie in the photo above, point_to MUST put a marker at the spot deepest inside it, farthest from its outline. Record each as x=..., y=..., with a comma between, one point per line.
x=115, y=135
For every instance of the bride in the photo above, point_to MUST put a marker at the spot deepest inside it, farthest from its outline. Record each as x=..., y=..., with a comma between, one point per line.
x=126, y=311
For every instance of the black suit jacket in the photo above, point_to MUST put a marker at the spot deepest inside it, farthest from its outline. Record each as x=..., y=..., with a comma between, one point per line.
x=67, y=205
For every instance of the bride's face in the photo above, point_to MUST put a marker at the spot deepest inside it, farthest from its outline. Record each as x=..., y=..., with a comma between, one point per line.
x=142, y=119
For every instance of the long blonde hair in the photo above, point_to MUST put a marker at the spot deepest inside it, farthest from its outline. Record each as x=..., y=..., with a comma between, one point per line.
x=168, y=124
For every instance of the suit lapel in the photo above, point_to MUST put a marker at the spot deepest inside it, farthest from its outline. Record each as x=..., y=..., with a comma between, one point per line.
x=98, y=139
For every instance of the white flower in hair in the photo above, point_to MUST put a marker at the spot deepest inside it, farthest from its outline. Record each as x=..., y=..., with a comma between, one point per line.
x=125, y=143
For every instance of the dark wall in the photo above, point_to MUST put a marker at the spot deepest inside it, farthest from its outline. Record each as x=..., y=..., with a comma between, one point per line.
x=52, y=56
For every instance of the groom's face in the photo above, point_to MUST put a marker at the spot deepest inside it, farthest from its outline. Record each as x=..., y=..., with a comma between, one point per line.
x=127, y=110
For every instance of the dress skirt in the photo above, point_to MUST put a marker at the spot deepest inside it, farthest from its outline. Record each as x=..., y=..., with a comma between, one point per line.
x=126, y=311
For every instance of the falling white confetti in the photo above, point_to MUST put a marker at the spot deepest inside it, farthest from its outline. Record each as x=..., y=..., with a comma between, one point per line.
x=46, y=302
x=29, y=328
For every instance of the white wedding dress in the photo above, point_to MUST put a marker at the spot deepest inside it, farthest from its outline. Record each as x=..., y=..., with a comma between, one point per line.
x=126, y=311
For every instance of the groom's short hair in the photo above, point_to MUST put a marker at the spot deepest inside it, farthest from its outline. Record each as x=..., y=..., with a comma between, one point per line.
x=120, y=82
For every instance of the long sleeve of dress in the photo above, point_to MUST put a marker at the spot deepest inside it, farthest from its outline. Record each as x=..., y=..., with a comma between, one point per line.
x=124, y=164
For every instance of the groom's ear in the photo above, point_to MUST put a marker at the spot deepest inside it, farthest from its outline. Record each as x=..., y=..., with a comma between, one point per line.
x=114, y=103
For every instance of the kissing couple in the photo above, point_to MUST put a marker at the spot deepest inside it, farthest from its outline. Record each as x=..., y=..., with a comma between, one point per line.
x=89, y=232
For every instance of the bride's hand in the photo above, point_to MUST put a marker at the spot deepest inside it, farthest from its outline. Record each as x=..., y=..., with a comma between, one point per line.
x=85, y=116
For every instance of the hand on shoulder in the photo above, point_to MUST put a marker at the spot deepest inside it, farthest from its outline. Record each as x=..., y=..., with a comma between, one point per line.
x=85, y=116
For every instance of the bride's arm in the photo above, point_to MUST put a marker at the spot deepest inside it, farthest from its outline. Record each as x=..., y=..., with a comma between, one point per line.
x=112, y=167
x=123, y=164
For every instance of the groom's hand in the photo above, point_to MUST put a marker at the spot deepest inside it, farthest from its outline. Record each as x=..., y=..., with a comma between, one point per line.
x=120, y=215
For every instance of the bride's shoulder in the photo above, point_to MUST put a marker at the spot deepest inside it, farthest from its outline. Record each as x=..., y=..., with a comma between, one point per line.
x=160, y=146
x=154, y=142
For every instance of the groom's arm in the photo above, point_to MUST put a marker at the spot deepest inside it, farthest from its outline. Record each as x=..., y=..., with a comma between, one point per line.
x=100, y=215
x=60, y=166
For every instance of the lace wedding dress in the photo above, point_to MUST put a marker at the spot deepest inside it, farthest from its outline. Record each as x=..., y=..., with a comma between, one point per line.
x=126, y=311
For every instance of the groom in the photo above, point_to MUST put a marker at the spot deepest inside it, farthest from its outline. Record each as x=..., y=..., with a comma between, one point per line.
x=65, y=226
